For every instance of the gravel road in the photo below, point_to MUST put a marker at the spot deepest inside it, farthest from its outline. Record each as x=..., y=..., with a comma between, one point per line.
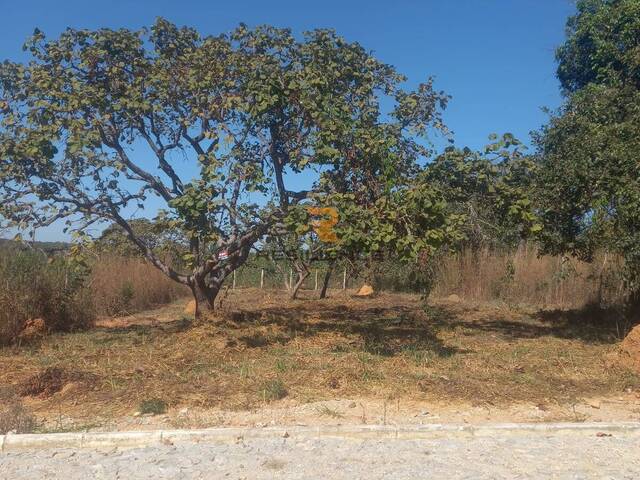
x=517, y=455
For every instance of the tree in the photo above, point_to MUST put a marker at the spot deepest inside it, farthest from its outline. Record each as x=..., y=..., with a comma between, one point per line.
x=407, y=223
x=589, y=187
x=80, y=121
x=490, y=189
x=601, y=46
x=170, y=244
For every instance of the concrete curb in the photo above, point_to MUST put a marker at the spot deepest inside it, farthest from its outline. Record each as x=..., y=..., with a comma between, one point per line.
x=94, y=440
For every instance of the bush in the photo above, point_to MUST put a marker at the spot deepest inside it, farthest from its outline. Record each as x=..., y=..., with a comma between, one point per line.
x=68, y=295
x=273, y=390
x=33, y=286
x=14, y=417
x=154, y=406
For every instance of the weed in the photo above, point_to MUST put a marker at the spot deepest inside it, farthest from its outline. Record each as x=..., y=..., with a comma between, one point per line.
x=326, y=411
x=417, y=353
x=282, y=365
x=154, y=406
x=273, y=390
x=244, y=370
x=14, y=417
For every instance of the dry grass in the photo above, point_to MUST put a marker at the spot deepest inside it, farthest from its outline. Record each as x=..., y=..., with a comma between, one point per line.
x=59, y=292
x=14, y=417
x=122, y=285
x=524, y=278
x=263, y=347
x=32, y=286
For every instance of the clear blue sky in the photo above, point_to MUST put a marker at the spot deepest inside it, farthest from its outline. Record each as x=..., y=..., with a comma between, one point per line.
x=494, y=57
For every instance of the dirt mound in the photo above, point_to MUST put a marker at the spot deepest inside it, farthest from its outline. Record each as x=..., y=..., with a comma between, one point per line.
x=629, y=354
x=190, y=308
x=365, y=291
x=50, y=381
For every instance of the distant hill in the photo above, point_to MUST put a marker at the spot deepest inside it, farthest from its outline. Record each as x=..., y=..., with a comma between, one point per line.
x=47, y=247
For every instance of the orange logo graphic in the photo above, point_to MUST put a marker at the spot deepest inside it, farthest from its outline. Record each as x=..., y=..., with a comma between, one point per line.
x=323, y=226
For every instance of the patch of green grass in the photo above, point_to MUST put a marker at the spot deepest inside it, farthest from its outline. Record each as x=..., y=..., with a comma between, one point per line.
x=365, y=358
x=273, y=390
x=417, y=354
x=244, y=370
x=282, y=365
x=156, y=406
x=342, y=348
x=369, y=375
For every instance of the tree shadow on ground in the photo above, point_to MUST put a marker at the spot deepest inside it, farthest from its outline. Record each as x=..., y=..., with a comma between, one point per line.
x=589, y=324
x=173, y=326
x=384, y=331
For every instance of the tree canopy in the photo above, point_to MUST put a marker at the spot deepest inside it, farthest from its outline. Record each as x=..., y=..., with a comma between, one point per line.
x=99, y=122
x=589, y=183
x=601, y=46
x=490, y=191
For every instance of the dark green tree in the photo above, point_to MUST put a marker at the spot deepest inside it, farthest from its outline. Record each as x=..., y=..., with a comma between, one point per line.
x=589, y=183
x=491, y=190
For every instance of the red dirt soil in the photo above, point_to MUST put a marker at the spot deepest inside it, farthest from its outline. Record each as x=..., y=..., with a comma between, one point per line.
x=630, y=350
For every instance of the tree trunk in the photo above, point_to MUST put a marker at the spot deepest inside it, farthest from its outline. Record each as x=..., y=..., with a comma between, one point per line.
x=204, y=295
x=302, y=276
x=325, y=281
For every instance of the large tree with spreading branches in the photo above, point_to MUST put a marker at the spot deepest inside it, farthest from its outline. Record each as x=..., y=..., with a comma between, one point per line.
x=589, y=181
x=99, y=124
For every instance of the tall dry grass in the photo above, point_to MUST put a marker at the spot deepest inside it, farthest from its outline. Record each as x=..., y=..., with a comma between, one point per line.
x=34, y=286
x=122, y=285
x=523, y=277
x=69, y=298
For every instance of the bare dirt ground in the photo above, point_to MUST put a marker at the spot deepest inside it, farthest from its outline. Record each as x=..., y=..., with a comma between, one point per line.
x=265, y=360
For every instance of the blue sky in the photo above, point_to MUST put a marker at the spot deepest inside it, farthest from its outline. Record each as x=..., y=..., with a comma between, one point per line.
x=494, y=57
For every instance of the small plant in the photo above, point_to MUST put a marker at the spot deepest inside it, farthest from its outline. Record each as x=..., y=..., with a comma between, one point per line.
x=154, y=406
x=417, y=353
x=127, y=292
x=325, y=411
x=273, y=390
x=14, y=417
x=282, y=365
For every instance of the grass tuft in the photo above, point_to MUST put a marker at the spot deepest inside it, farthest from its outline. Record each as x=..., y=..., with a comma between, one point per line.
x=273, y=390
x=153, y=406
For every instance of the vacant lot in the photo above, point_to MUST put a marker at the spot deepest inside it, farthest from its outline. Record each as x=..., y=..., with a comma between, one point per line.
x=263, y=351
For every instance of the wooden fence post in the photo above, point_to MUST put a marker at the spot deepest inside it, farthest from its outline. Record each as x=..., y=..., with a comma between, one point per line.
x=344, y=279
x=234, y=279
x=316, y=282
x=261, y=278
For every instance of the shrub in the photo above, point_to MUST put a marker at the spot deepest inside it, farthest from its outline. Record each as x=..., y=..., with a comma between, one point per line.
x=14, y=417
x=273, y=390
x=154, y=406
x=33, y=286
